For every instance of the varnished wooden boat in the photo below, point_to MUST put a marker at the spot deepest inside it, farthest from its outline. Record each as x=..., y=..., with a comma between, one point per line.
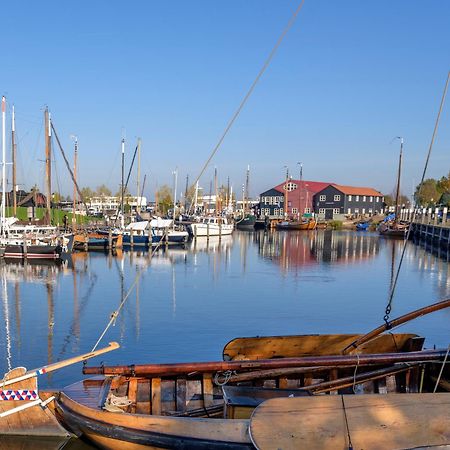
x=209, y=405
x=359, y=421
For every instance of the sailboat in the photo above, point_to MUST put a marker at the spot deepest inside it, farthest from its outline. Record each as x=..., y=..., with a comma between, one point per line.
x=247, y=220
x=393, y=227
x=25, y=242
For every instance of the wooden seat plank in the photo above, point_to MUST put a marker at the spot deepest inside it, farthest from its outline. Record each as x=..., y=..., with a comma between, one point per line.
x=374, y=421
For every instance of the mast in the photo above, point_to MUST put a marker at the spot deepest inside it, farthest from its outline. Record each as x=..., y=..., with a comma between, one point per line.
x=3, y=163
x=215, y=191
x=247, y=184
x=13, y=144
x=138, y=206
x=186, y=194
x=122, y=184
x=286, y=214
x=48, y=167
x=299, y=192
x=175, y=175
x=397, y=194
x=74, y=218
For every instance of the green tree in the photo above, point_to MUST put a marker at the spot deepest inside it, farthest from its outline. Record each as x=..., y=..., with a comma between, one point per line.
x=429, y=193
x=164, y=198
x=87, y=193
x=103, y=191
x=443, y=185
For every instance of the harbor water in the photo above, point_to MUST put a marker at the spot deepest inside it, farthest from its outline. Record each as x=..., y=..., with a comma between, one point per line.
x=185, y=304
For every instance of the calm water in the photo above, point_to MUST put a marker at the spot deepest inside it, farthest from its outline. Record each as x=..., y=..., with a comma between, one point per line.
x=188, y=303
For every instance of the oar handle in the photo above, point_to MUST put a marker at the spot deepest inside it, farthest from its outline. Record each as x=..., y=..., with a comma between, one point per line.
x=61, y=364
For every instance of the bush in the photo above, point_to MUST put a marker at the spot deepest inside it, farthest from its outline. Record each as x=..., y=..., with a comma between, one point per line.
x=335, y=224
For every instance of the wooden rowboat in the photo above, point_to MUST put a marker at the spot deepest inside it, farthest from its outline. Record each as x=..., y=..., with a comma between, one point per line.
x=209, y=405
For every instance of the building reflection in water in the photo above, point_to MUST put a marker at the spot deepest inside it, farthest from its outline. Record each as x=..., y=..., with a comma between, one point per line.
x=303, y=248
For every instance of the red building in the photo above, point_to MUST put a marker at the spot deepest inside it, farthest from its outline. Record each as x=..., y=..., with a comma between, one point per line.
x=299, y=198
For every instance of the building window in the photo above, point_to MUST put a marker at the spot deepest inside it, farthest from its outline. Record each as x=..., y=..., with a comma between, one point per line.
x=364, y=210
x=307, y=210
x=336, y=210
x=370, y=210
x=294, y=210
x=356, y=210
x=378, y=199
x=337, y=198
x=364, y=198
x=357, y=198
x=275, y=211
x=349, y=211
x=268, y=211
x=281, y=212
x=321, y=210
x=349, y=198
x=371, y=198
x=322, y=198
x=270, y=200
x=290, y=186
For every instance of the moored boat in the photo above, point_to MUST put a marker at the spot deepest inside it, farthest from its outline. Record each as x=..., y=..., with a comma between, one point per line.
x=209, y=405
x=211, y=226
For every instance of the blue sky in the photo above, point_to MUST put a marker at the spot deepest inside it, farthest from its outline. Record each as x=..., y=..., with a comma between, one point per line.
x=348, y=78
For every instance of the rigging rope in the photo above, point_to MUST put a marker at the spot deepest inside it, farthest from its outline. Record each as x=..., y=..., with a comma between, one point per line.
x=394, y=284
x=115, y=313
x=249, y=92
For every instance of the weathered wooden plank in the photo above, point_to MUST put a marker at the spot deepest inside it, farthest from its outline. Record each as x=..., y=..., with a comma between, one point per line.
x=208, y=389
x=181, y=394
x=132, y=393
x=156, y=396
x=143, y=397
x=374, y=422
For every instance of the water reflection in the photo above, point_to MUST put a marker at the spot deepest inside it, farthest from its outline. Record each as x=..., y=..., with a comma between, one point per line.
x=294, y=249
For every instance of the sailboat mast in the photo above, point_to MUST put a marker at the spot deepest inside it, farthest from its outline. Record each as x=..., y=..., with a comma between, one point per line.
x=397, y=194
x=48, y=167
x=3, y=162
x=299, y=192
x=13, y=144
x=247, y=184
x=122, y=183
x=74, y=219
x=286, y=214
x=175, y=174
x=138, y=182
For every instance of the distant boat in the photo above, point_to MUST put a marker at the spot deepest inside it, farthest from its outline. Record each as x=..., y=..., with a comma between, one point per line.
x=392, y=227
x=246, y=223
x=362, y=226
x=211, y=226
x=247, y=220
x=296, y=225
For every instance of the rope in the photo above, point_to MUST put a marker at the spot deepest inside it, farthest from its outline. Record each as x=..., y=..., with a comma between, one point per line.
x=442, y=369
x=250, y=91
x=226, y=377
x=350, y=445
x=394, y=284
x=115, y=313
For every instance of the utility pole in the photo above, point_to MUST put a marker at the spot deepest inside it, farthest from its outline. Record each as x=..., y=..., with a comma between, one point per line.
x=48, y=162
x=13, y=142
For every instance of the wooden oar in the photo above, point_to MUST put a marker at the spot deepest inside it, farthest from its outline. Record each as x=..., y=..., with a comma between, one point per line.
x=260, y=364
x=60, y=364
x=396, y=322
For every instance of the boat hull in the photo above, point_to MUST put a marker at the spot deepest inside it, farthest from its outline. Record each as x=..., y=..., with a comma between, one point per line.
x=200, y=229
x=136, y=431
x=247, y=223
x=32, y=251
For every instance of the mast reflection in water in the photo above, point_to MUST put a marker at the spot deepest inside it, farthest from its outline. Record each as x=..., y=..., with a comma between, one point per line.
x=190, y=301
